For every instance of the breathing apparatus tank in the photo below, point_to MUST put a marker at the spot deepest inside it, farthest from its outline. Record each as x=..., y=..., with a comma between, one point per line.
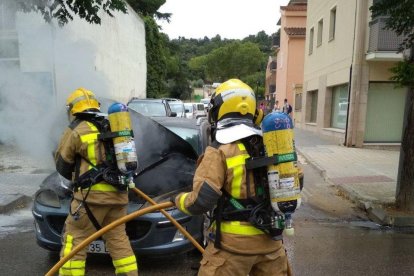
x=123, y=140
x=283, y=178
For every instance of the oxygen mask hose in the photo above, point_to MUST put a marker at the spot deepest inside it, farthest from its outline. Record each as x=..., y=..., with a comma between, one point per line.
x=170, y=218
x=105, y=229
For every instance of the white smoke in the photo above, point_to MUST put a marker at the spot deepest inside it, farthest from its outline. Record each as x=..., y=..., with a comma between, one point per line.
x=51, y=63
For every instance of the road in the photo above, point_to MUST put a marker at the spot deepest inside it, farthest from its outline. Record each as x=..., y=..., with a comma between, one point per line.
x=332, y=237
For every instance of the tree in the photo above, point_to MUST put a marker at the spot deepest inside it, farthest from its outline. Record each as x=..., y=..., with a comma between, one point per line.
x=234, y=60
x=400, y=18
x=89, y=10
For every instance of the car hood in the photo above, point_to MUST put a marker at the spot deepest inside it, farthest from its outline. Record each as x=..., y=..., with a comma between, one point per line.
x=166, y=161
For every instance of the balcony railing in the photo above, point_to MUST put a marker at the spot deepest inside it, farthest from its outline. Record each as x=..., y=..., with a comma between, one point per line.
x=381, y=39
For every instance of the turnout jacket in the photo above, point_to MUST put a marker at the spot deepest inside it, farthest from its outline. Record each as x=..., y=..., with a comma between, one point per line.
x=223, y=168
x=80, y=142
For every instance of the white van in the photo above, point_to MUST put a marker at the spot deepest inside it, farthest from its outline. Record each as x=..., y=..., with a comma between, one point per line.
x=205, y=101
x=195, y=110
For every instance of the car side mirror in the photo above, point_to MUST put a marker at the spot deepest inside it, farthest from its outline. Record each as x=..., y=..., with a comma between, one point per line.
x=173, y=114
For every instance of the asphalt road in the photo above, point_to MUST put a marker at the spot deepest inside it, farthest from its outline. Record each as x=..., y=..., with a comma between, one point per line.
x=332, y=237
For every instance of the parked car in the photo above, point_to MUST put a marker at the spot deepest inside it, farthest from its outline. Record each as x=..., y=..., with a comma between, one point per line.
x=151, y=107
x=167, y=151
x=195, y=110
x=205, y=102
x=176, y=106
x=189, y=110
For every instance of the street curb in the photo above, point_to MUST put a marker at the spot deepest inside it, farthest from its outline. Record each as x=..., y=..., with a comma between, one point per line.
x=9, y=202
x=376, y=211
x=314, y=164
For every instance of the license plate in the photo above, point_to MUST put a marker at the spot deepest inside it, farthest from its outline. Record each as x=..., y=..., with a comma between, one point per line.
x=97, y=247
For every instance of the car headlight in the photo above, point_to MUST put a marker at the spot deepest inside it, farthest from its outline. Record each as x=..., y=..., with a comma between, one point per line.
x=48, y=198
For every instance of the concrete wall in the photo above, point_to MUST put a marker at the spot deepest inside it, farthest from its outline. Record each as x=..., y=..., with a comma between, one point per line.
x=109, y=59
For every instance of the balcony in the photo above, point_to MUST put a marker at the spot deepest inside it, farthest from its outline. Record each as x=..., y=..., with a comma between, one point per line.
x=383, y=44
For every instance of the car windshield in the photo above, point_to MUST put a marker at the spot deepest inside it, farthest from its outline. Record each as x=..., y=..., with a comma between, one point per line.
x=189, y=107
x=148, y=108
x=188, y=134
x=176, y=107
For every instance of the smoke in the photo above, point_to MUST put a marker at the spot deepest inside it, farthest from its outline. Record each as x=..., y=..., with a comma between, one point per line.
x=40, y=65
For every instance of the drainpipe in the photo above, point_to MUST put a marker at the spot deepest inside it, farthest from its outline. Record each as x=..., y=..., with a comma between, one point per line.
x=349, y=101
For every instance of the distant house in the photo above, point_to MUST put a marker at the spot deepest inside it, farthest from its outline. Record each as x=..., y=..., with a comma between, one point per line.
x=49, y=61
x=290, y=56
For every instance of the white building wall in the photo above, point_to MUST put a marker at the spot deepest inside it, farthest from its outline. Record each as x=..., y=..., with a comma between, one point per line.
x=329, y=63
x=109, y=59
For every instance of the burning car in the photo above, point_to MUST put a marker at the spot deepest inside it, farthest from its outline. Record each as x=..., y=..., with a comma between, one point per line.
x=167, y=151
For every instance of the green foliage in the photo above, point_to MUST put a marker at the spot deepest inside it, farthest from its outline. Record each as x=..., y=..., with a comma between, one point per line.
x=63, y=10
x=156, y=59
x=399, y=18
x=403, y=73
x=235, y=60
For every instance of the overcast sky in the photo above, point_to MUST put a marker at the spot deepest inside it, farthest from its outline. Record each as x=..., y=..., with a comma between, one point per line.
x=233, y=19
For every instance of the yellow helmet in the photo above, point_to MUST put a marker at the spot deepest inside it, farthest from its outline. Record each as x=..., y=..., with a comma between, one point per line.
x=232, y=99
x=81, y=100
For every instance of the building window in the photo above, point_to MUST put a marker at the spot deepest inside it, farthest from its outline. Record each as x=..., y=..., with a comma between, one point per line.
x=320, y=31
x=311, y=41
x=339, y=106
x=298, y=102
x=332, y=24
x=313, y=98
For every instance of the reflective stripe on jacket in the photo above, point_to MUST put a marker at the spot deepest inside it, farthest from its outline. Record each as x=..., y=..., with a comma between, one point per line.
x=81, y=139
x=224, y=168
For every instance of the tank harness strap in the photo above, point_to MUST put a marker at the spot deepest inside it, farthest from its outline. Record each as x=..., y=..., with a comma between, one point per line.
x=264, y=161
x=218, y=217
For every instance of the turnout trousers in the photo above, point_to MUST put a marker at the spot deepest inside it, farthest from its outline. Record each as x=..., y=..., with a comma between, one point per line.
x=217, y=262
x=116, y=240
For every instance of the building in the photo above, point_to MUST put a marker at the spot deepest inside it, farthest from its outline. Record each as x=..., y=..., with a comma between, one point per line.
x=290, y=55
x=348, y=94
x=109, y=59
x=41, y=63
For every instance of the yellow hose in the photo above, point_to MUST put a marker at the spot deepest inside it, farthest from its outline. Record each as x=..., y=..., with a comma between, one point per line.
x=105, y=229
x=170, y=218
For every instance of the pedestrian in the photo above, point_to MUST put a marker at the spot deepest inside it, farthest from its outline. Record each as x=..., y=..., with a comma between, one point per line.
x=239, y=243
x=287, y=108
x=276, y=107
x=95, y=202
x=262, y=106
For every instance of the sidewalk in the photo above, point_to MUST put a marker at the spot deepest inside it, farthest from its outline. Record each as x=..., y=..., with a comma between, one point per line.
x=20, y=177
x=366, y=176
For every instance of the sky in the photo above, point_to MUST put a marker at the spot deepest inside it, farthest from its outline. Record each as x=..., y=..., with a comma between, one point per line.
x=232, y=19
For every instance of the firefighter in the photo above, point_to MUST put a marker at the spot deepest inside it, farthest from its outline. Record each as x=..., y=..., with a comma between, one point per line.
x=96, y=203
x=238, y=244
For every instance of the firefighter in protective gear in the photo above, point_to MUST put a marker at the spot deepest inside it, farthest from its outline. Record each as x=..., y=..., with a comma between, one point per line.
x=235, y=246
x=100, y=203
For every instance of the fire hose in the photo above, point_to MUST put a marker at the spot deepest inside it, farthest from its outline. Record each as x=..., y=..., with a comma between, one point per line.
x=105, y=229
x=127, y=218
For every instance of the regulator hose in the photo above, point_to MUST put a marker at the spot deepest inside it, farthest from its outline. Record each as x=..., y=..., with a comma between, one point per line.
x=105, y=229
x=170, y=218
